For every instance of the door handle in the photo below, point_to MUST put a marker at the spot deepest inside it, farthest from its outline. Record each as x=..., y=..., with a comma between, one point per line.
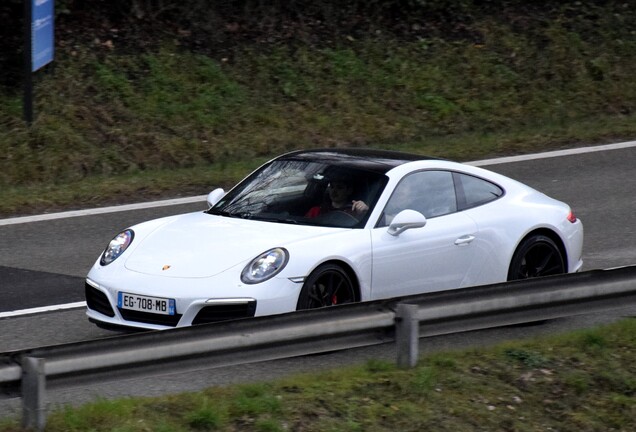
x=464, y=240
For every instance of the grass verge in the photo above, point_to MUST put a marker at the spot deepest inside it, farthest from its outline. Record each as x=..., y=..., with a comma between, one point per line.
x=151, y=184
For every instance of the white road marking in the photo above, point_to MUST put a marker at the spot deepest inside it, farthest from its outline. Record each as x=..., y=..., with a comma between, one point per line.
x=552, y=154
x=201, y=198
x=31, y=311
x=101, y=210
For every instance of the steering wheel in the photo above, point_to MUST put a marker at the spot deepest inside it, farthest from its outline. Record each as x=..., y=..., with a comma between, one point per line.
x=338, y=218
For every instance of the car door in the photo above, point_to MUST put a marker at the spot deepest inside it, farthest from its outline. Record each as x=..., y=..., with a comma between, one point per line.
x=432, y=258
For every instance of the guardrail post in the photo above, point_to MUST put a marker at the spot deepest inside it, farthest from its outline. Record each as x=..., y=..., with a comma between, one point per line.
x=407, y=335
x=33, y=393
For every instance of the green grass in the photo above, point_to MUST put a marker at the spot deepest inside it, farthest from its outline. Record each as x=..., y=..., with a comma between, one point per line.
x=154, y=183
x=582, y=381
x=111, y=125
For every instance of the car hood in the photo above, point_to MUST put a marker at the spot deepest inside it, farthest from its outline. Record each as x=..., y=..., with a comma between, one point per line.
x=199, y=245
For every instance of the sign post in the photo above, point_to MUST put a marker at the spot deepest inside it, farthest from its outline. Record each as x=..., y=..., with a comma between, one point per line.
x=39, y=18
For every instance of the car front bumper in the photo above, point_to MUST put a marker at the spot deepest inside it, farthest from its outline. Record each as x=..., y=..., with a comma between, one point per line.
x=196, y=304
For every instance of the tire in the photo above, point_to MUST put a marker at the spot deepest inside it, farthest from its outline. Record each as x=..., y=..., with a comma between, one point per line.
x=327, y=285
x=536, y=256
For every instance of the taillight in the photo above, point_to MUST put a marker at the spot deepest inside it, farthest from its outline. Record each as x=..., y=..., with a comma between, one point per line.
x=572, y=216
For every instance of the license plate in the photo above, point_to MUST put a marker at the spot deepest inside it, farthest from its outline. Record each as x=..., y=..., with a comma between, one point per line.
x=142, y=303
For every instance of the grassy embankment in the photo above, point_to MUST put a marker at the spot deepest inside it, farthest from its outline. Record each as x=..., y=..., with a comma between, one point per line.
x=113, y=126
x=580, y=382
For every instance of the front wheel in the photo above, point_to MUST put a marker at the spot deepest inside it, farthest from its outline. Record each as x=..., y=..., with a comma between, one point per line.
x=328, y=285
x=536, y=256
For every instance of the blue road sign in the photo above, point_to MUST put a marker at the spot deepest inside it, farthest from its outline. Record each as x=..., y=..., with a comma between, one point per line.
x=42, y=39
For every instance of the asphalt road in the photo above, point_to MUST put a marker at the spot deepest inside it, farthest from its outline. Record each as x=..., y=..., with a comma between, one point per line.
x=44, y=263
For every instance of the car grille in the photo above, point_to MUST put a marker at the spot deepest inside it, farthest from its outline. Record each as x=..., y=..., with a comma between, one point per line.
x=150, y=318
x=224, y=312
x=97, y=301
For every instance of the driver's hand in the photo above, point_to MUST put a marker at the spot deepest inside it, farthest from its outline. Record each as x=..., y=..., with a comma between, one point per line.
x=359, y=206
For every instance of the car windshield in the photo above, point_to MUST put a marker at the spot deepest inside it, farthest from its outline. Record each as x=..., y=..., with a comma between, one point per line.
x=305, y=192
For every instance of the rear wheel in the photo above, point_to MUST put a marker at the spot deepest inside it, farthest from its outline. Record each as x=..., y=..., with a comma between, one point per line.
x=328, y=285
x=536, y=256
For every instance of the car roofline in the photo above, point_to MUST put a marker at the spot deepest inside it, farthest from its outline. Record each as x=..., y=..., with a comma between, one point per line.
x=373, y=159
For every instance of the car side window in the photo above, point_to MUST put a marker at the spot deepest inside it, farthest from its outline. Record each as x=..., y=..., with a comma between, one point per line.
x=476, y=191
x=431, y=193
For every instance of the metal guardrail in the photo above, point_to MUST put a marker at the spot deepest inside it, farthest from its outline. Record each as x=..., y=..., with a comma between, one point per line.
x=29, y=373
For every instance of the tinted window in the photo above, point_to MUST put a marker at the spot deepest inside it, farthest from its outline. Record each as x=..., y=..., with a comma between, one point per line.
x=477, y=191
x=431, y=193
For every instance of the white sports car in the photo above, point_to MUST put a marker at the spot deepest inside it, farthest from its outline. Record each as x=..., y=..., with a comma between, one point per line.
x=324, y=227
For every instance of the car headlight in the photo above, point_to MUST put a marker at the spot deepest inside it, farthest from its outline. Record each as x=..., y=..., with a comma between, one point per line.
x=265, y=266
x=117, y=246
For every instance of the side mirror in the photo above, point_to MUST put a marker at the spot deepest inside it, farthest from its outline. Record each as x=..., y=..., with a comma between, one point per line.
x=215, y=196
x=404, y=220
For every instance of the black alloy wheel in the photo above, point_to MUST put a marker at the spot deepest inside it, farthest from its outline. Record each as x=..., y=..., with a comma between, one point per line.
x=536, y=256
x=328, y=285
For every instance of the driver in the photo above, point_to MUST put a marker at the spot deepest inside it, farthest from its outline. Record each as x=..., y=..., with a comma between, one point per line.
x=339, y=193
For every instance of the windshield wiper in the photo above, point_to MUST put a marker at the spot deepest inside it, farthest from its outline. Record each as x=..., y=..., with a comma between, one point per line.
x=275, y=219
x=244, y=215
x=216, y=212
x=252, y=216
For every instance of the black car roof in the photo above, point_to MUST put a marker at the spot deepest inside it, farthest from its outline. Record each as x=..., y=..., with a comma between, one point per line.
x=368, y=159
